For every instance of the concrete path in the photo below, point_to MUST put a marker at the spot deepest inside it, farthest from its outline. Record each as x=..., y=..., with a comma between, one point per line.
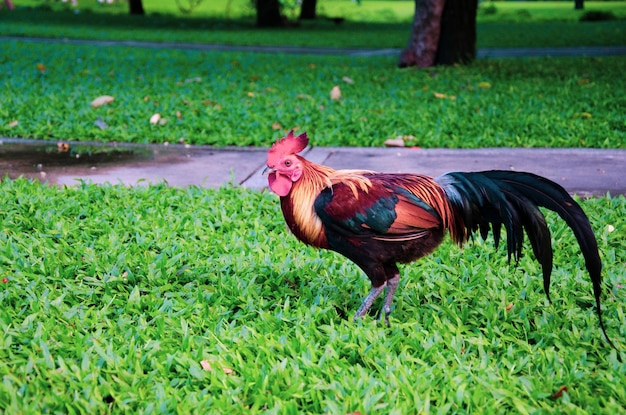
x=580, y=171
x=481, y=53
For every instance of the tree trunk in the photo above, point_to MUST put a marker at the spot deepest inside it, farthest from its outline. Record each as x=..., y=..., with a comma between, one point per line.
x=421, y=50
x=579, y=4
x=307, y=10
x=136, y=7
x=457, y=37
x=268, y=13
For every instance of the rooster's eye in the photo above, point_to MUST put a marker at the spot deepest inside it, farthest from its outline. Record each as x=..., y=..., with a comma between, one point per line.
x=288, y=163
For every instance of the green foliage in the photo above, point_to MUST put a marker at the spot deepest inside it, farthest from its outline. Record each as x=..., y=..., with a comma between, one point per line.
x=158, y=299
x=373, y=24
x=236, y=98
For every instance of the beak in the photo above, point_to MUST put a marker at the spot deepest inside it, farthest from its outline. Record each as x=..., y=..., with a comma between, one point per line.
x=267, y=170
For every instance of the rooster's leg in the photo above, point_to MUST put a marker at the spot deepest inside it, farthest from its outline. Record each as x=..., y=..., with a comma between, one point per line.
x=392, y=284
x=369, y=300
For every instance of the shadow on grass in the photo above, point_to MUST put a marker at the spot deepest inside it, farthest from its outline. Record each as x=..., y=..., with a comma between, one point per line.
x=118, y=21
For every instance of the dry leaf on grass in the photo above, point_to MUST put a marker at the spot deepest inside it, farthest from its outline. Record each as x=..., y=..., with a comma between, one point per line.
x=559, y=393
x=443, y=96
x=13, y=123
x=399, y=141
x=206, y=365
x=335, y=93
x=102, y=100
x=99, y=122
x=155, y=118
x=394, y=142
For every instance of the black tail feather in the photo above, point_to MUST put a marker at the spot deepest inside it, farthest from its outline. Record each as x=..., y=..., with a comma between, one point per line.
x=487, y=200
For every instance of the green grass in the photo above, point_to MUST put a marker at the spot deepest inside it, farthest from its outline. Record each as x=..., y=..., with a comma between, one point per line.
x=378, y=24
x=113, y=296
x=237, y=98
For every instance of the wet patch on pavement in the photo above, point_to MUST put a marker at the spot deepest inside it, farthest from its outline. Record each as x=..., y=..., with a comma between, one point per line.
x=66, y=163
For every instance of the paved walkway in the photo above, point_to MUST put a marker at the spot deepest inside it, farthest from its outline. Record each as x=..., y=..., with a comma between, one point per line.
x=481, y=53
x=580, y=171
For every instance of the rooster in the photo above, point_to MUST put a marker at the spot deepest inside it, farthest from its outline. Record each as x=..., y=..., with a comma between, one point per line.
x=378, y=220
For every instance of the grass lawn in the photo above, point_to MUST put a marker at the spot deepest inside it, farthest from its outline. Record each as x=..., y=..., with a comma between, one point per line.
x=161, y=300
x=243, y=99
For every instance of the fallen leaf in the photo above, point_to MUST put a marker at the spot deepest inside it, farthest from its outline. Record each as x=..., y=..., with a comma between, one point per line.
x=484, y=85
x=41, y=67
x=13, y=123
x=583, y=81
x=444, y=96
x=194, y=79
x=227, y=371
x=394, y=142
x=509, y=306
x=276, y=126
x=206, y=365
x=585, y=115
x=335, y=93
x=347, y=80
x=162, y=121
x=99, y=122
x=155, y=118
x=559, y=393
x=179, y=115
x=610, y=228
x=251, y=94
x=102, y=100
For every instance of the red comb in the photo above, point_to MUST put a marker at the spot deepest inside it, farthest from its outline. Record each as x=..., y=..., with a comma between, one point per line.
x=289, y=144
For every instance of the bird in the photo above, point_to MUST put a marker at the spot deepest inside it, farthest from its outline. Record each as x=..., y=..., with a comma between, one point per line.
x=379, y=220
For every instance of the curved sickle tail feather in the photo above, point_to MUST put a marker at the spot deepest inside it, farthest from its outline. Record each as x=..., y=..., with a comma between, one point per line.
x=490, y=199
